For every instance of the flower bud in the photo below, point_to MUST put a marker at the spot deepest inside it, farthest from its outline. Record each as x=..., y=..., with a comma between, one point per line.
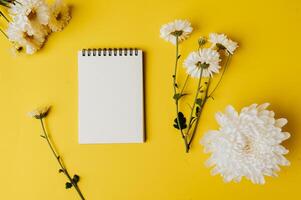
x=202, y=41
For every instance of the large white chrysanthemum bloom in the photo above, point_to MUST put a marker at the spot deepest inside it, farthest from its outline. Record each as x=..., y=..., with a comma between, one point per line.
x=205, y=61
x=31, y=15
x=178, y=28
x=247, y=144
x=31, y=43
x=222, y=41
x=59, y=17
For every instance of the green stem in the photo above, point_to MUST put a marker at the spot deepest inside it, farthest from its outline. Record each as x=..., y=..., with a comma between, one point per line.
x=175, y=92
x=3, y=33
x=59, y=160
x=175, y=83
x=176, y=66
x=199, y=114
x=195, y=98
x=220, y=80
x=193, y=106
x=4, y=3
x=18, y=2
x=6, y=19
x=185, y=83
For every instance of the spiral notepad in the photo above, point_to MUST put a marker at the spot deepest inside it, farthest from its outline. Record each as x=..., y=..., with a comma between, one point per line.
x=110, y=89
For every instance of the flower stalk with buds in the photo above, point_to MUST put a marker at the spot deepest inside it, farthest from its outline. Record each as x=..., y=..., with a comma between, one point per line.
x=202, y=65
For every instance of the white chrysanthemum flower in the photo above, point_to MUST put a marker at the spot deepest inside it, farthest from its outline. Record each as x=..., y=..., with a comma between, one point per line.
x=221, y=41
x=247, y=144
x=22, y=38
x=60, y=16
x=206, y=59
x=31, y=15
x=180, y=28
x=40, y=112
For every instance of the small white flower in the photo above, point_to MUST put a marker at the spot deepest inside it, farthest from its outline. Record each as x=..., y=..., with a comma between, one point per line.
x=180, y=28
x=40, y=112
x=31, y=15
x=247, y=144
x=221, y=41
x=205, y=61
x=60, y=16
x=22, y=38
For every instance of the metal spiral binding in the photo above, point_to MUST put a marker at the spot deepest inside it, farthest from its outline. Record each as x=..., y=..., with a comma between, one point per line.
x=110, y=52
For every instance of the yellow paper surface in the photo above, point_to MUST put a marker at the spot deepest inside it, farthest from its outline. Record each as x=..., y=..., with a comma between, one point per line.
x=265, y=68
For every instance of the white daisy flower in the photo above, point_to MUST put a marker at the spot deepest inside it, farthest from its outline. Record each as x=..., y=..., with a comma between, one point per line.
x=221, y=41
x=60, y=16
x=22, y=38
x=31, y=15
x=247, y=144
x=180, y=28
x=207, y=59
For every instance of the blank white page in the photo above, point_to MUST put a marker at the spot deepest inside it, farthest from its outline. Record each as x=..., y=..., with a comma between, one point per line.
x=110, y=89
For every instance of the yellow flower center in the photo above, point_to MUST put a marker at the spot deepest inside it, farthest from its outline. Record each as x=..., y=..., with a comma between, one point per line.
x=177, y=33
x=59, y=16
x=32, y=15
x=220, y=46
x=202, y=65
x=29, y=38
x=247, y=148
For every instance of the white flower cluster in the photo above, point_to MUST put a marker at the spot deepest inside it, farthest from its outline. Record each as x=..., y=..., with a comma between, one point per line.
x=247, y=144
x=34, y=20
x=206, y=61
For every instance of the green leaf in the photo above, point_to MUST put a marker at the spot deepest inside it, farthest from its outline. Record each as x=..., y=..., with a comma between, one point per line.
x=192, y=118
x=197, y=111
x=182, y=121
x=6, y=2
x=68, y=185
x=75, y=178
x=199, y=102
x=3, y=4
x=178, y=96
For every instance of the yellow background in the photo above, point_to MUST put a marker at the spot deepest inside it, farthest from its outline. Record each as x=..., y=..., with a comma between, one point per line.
x=265, y=68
